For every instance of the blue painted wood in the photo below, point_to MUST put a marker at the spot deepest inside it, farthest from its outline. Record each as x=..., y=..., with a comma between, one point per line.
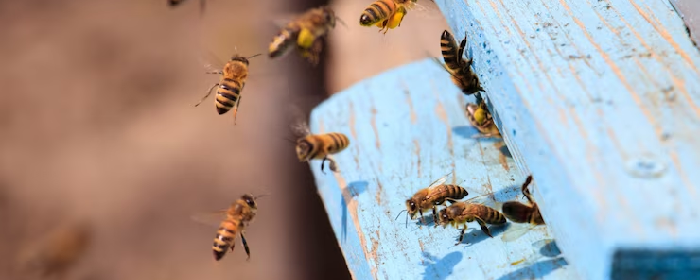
x=600, y=100
x=407, y=128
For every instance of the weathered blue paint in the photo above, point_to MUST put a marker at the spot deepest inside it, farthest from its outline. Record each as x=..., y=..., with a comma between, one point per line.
x=407, y=128
x=600, y=100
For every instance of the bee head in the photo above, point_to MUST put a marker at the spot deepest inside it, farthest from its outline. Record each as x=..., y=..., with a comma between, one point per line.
x=241, y=59
x=329, y=16
x=444, y=217
x=411, y=207
x=303, y=149
x=249, y=199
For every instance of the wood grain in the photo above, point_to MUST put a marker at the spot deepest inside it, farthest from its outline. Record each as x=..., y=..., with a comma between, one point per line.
x=407, y=128
x=600, y=101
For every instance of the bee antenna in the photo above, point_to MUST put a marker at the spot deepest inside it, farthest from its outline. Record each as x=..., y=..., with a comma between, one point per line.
x=397, y=216
x=406, y=219
x=262, y=195
x=341, y=22
x=254, y=55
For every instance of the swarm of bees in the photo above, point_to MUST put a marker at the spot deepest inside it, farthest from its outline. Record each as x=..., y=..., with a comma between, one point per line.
x=306, y=34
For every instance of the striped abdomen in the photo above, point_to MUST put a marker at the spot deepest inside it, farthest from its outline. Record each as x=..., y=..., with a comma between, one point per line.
x=326, y=144
x=521, y=213
x=378, y=11
x=284, y=40
x=487, y=214
x=225, y=237
x=449, y=191
x=450, y=52
x=228, y=94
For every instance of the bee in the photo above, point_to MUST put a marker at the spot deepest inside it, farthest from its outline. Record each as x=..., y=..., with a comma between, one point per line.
x=306, y=33
x=386, y=14
x=460, y=213
x=238, y=217
x=480, y=117
x=522, y=213
x=57, y=251
x=434, y=195
x=459, y=68
x=319, y=146
x=175, y=3
x=231, y=84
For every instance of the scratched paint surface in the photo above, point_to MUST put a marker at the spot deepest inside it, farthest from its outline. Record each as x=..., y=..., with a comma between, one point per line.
x=407, y=128
x=600, y=100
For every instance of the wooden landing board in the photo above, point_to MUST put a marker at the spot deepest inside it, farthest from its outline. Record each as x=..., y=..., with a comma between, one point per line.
x=407, y=128
x=600, y=100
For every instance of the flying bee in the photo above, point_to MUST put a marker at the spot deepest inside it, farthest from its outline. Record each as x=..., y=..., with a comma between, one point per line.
x=319, y=146
x=386, y=14
x=231, y=84
x=434, y=195
x=480, y=117
x=238, y=217
x=306, y=33
x=58, y=251
x=457, y=66
x=463, y=212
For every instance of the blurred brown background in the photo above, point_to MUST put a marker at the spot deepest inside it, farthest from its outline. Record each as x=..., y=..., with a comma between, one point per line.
x=97, y=123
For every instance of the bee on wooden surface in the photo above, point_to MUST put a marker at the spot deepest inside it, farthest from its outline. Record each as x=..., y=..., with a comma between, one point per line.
x=463, y=212
x=459, y=68
x=231, y=84
x=480, y=117
x=238, y=217
x=319, y=146
x=55, y=253
x=522, y=213
x=175, y=3
x=434, y=195
x=306, y=33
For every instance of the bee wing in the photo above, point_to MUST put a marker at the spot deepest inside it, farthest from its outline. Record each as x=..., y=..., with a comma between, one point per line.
x=440, y=181
x=429, y=10
x=299, y=127
x=209, y=218
x=211, y=62
x=516, y=231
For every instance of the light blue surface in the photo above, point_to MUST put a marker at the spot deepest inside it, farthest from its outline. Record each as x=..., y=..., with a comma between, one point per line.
x=600, y=100
x=407, y=128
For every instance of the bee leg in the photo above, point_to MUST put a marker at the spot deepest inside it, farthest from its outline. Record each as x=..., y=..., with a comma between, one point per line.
x=235, y=108
x=396, y=18
x=460, y=52
x=461, y=235
x=207, y=95
x=245, y=246
x=323, y=164
x=435, y=217
x=484, y=228
x=422, y=218
x=313, y=54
